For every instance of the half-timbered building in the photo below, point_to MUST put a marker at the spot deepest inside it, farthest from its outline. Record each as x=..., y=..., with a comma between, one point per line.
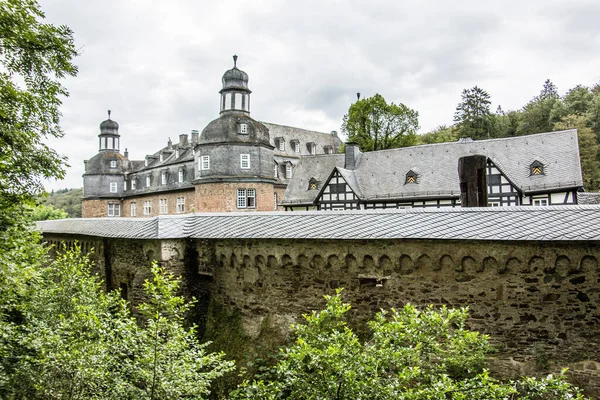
x=538, y=170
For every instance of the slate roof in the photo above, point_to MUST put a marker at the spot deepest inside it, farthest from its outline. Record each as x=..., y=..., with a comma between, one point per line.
x=588, y=198
x=381, y=174
x=304, y=136
x=524, y=223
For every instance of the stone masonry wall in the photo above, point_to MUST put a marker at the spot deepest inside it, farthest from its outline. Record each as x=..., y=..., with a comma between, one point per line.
x=217, y=197
x=154, y=199
x=94, y=208
x=538, y=301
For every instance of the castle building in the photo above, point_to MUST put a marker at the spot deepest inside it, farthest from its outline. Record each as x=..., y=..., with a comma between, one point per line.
x=235, y=164
x=240, y=164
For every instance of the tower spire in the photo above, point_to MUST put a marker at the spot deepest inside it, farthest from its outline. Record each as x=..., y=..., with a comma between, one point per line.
x=108, y=114
x=235, y=61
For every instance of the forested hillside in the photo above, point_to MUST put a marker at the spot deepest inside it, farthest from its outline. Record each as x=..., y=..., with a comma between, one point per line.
x=68, y=200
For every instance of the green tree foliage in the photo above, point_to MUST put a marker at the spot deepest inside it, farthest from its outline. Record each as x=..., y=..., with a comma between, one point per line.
x=411, y=354
x=35, y=56
x=472, y=116
x=578, y=100
x=541, y=112
x=42, y=212
x=440, y=134
x=374, y=124
x=68, y=200
x=63, y=337
x=589, y=150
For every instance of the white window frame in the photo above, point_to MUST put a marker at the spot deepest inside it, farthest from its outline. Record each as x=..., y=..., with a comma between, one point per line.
x=241, y=198
x=147, y=181
x=176, y=153
x=246, y=198
x=281, y=145
x=133, y=183
x=133, y=209
x=163, y=178
x=313, y=149
x=205, y=163
x=244, y=128
x=125, y=185
x=114, y=210
x=180, y=176
x=147, y=207
x=296, y=146
x=288, y=171
x=181, y=204
x=275, y=205
x=245, y=161
x=163, y=206
x=540, y=202
x=161, y=157
x=113, y=163
x=276, y=170
x=494, y=204
x=113, y=187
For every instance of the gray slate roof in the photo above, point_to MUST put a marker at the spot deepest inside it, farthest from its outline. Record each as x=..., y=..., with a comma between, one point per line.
x=556, y=223
x=304, y=136
x=381, y=174
x=588, y=198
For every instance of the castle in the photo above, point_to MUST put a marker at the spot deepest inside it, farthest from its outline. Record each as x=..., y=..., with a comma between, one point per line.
x=240, y=164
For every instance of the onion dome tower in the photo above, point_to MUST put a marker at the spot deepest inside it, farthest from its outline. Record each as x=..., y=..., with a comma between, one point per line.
x=235, y=95
x=234, y=156
x=109, y=135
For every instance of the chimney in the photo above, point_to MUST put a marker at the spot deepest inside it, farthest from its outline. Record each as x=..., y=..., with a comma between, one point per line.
x=334, y=133
x=183, y=140
x=473, y=181
x=351, y=152
x=170, y=144
x=126, y=153
x=194, y=136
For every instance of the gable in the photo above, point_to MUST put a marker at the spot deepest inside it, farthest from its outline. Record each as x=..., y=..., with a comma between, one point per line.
x=337, y=194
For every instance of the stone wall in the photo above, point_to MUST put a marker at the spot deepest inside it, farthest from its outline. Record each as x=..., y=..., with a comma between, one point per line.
x=154, y=199
x=95, y=208
x=217, y=197
x=538, y=301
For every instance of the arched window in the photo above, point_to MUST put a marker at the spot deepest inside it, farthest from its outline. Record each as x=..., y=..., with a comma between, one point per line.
x=411, y=177
x=536, y=168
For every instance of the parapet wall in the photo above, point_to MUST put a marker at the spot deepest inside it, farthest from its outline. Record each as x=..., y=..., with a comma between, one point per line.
x=537, y=300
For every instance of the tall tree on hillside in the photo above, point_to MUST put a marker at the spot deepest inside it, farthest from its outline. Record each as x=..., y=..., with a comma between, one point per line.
x=593, y=114
x=376, y=125
x=549, y=91
x=540, y=114
x=588, y=149
x=578, y=100
x=34, y=57
x=472, y=115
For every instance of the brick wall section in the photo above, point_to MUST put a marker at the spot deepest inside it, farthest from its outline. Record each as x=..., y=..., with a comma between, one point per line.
x=536, y=300
x=222, y=197
x=94, y=208
x=171, y=197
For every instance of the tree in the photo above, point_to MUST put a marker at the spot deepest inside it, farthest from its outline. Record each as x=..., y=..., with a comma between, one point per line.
x=35, y=57
x=374, y=124
x=537, y=116
x=411, y=354
x=549, y=91
x=472, y=116
x=578, y=100
x=589, y=150
x=42, y=212
x=440, y=134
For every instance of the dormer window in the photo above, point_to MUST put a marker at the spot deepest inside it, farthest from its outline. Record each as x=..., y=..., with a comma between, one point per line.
x=245, y=161
x=296, y=146
x=163, y=178
x=147, y=181
x=312, y=148
x=313, y=184
x=280, y=142
x=180, y=176
x=133, y=183
x=113, y=163
x=242, y=128
x=536, y=168
x=276, y=175
x=411, y=177
x=146, y=162
x=177, y=153
x=288, y=171
x=328, y=149
x=161, y=157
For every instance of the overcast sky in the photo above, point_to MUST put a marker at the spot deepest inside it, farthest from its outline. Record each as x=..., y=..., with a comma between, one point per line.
x=158, y=64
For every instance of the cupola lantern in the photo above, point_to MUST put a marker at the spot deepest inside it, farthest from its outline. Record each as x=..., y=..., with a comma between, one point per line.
x=235, y=95
x=109, y=135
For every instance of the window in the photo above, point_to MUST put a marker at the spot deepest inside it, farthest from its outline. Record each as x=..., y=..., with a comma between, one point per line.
x=147, y=181
x=147, y=207
x=164, y=208
x=180, y=176
x=244, y=129
x=536, y=168
x=133, y=209
x=180, y=204
x=176, y=153
x=246, y=198
x=114, y=210
x=133, y=183
x=205, y=163
x=493, y=204
x=113, y=187
x=540, y=202
x=161, y=157
x=245, y=161
x=124, y=185
x=275, y=201
x=313, y=184
x=312, y=148
x=146, y=162
x=163, y=178
x=296, y=146
x=328, y=149
x=281, y=144
x=276, y=175
x=288, y=171
x=411, y=177
x=113, y=163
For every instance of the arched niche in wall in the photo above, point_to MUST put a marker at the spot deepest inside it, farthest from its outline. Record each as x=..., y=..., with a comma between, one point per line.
x=317, y=262
x=350, y=262
x=588, y=264
x=333, y=261
x=424, y=263
x=368, y=263
x=446, y=263
x=406, y=265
